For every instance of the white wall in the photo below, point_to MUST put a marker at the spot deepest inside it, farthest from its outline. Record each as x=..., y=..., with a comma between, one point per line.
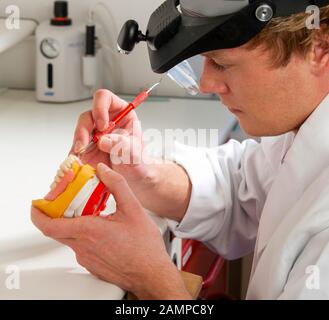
x=124, y=74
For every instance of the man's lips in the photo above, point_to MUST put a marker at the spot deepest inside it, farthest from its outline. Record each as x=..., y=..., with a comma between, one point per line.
x=234, y=110
x=231, y=109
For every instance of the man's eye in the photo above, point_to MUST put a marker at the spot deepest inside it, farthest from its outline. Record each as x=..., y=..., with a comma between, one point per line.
x=217, y=66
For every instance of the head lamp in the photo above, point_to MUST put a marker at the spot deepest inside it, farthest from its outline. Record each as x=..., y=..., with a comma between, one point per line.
x=180, y=29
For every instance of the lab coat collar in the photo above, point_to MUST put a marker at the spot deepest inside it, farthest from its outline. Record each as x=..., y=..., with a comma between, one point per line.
x=306, y=158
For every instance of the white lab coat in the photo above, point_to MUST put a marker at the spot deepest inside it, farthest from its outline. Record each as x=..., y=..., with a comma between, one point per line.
x=271, y=198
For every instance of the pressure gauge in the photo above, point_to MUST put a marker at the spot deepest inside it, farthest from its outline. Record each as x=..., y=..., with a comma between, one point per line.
x=50, y=48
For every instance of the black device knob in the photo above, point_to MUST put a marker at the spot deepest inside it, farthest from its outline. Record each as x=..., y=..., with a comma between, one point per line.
x=61, y=13
x=61, y=9
x=129, y=36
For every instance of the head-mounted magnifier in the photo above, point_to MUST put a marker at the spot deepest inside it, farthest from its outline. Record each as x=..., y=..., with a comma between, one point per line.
x=181, y=29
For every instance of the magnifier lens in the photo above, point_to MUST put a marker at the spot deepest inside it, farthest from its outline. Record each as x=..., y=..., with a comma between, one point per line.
x=185, y=77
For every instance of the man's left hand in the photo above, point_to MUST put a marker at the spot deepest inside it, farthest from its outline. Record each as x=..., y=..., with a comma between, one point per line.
x=125, y=248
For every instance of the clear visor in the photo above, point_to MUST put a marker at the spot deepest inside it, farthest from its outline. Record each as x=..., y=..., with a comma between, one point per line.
x=184, y=75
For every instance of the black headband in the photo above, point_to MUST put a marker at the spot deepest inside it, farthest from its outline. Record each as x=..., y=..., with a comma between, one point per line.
x=173, y=36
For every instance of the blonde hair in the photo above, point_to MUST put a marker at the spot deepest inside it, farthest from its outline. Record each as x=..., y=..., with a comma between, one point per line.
x=283, y=37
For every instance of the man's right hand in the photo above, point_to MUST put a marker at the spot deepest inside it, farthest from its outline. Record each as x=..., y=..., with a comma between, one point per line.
x=163, y=188
x=122, y=150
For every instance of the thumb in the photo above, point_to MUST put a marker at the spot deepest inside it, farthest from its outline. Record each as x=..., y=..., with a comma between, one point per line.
x=117, y=185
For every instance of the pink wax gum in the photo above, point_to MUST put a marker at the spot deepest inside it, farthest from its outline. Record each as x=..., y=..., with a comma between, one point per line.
x=61, y=186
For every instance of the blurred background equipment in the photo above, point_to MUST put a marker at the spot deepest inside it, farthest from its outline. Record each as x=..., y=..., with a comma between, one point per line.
x=119, y=73
x=61, y=44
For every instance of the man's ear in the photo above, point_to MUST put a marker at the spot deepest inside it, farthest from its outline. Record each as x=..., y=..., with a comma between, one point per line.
x=319, y=56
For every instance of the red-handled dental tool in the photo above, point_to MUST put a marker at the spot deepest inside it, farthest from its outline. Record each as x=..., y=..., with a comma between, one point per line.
x=114, y=122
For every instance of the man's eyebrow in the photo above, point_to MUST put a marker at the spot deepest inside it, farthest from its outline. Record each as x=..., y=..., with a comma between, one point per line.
x=212, y=55
x=207, y=54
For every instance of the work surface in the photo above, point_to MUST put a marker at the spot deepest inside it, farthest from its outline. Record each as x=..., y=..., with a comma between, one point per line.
x=35, y=138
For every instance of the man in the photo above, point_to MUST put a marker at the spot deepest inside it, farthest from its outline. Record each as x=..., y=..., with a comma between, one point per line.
x=268, y=197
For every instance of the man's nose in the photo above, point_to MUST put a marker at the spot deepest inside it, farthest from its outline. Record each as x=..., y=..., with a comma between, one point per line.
x=212, y=81
x=212, y=85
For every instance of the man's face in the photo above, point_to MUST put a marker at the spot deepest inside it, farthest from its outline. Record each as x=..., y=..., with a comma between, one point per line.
x=267, y=101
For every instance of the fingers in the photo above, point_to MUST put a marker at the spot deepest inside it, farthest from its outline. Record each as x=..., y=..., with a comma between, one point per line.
x=133, y=129
x=118, y=186
x=122, y=149
x=71, y=243
x=107, y=143
x=99, y=269
x=59, y=228
x=105, y=105
x=104, y=102
x=83, y=131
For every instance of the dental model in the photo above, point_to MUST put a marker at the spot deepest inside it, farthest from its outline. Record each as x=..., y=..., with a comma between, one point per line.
x=76, y=191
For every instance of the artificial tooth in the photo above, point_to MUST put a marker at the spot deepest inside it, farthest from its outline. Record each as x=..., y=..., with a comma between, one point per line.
x=53, y=185
x=68, y=163
x=60, y=173
x=64, y=168
x=57, y=179
x=73, y=158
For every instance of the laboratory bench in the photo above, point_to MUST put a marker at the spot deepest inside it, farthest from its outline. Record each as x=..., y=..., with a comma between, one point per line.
x=35, y=139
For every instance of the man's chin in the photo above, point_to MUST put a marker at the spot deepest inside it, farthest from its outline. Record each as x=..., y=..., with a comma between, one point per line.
x=258, y=132
x=253, y=130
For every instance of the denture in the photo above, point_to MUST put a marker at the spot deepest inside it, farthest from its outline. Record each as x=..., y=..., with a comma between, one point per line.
x=76, y=191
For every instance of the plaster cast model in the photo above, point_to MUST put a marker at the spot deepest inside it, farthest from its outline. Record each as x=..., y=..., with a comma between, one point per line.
x=76, y=191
